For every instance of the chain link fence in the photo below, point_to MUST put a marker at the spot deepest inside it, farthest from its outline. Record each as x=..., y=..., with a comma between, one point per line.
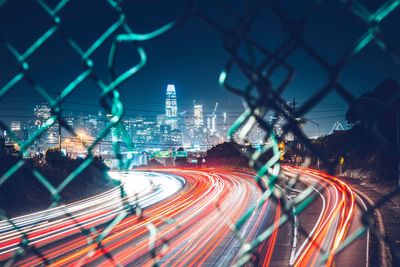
x=262, y=95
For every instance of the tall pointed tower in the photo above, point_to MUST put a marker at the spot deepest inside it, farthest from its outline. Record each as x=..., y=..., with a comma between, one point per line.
x=171, y=107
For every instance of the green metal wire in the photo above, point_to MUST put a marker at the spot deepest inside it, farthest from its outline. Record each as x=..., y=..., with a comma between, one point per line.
x=260, y=94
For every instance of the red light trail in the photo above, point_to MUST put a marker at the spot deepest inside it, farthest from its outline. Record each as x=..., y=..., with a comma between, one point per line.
x=186, y=222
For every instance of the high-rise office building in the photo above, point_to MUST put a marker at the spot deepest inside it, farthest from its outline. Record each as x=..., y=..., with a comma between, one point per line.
x=165, y=135
x=212, y=124
x=176, y=138
x=189, y=135
x=171, y=107
x=198, y=115
x=161, y=119
x=15, y=126
x=225, y=117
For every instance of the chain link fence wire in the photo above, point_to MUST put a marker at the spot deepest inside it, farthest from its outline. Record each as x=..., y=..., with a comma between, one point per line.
x=118, y=33
x=262, y=95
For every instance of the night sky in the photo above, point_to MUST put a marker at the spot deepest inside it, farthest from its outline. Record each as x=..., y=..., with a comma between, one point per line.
x=191, y=56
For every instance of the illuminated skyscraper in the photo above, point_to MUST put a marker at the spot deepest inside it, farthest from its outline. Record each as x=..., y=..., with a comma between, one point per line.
x=198, y=115
x=15, y=126
x=171, y=107
x=225, y=120
x=211, y=122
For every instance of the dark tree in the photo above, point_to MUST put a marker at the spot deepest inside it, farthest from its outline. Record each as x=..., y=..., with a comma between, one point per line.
x=54, y=156
x=378, y=110
x=228, y=153
x=371, y=144
x=23, y=192
x=224, y=150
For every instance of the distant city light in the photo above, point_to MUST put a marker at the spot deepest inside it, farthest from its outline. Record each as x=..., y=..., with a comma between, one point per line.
x=195, y=129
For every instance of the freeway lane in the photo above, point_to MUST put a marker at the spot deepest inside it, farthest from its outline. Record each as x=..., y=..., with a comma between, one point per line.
x=331, y=218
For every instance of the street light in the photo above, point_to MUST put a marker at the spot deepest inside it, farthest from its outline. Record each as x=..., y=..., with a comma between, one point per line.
x=396, y=109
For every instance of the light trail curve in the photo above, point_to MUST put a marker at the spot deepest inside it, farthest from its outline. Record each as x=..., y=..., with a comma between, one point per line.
x=337, y=218
x=192, y=212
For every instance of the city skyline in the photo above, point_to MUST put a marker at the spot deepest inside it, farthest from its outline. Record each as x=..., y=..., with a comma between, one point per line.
x=326, y=116
x=213, y=120
x=171, y=129
x=194, y=131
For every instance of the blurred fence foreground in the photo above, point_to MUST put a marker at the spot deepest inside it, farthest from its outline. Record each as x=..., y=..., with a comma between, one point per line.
x=262, y=63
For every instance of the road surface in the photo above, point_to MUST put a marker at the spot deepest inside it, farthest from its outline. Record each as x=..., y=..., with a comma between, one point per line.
x=186, y=218
x=332, y=216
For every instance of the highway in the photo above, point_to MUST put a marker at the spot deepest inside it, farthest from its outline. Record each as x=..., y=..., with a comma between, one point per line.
x=185, y=217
